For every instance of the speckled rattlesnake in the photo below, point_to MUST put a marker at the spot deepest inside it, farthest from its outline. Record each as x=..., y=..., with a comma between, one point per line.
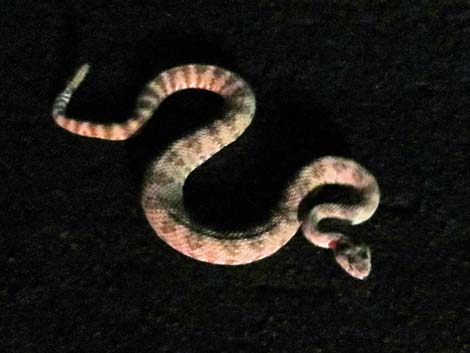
x=162, y=198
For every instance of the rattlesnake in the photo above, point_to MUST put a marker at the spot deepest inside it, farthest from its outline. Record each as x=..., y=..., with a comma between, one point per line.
x=162, y=196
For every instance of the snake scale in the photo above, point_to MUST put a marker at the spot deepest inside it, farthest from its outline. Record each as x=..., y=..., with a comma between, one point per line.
x=162, y=196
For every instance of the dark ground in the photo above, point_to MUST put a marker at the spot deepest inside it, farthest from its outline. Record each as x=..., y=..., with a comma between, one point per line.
x=387, y=85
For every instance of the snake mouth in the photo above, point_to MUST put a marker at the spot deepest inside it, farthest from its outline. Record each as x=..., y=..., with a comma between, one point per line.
x=359, y=276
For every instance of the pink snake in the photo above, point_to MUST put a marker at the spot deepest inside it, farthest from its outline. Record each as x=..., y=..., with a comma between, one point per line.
x=162, y=198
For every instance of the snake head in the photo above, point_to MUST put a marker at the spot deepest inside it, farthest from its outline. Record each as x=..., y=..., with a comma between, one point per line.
x=353, y=258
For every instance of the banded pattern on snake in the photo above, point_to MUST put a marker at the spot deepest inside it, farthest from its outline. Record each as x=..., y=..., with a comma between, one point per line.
x=162, y=196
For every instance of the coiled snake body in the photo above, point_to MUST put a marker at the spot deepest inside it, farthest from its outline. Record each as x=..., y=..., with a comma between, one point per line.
x=162, y=196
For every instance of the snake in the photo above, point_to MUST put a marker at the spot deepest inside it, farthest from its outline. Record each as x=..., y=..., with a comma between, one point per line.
x=162, y=190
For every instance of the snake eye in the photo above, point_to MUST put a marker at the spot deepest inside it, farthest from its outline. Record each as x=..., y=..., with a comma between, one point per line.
x=363, y=254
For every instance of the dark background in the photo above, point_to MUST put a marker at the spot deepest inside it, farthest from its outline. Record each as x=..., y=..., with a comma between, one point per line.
x=385, y=84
